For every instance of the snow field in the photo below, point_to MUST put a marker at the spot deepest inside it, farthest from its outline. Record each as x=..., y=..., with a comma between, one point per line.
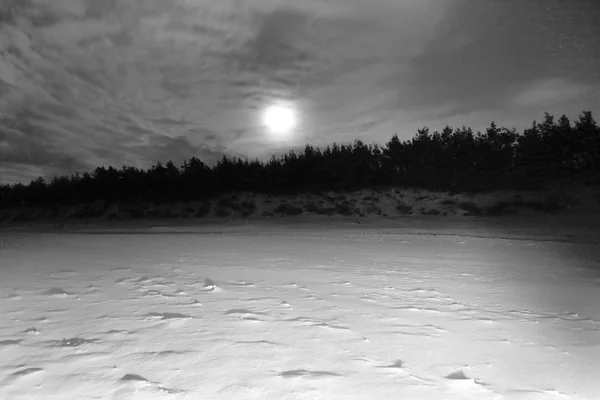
x=297, y=314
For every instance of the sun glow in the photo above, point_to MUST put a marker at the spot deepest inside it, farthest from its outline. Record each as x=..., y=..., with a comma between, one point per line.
x=279, y=119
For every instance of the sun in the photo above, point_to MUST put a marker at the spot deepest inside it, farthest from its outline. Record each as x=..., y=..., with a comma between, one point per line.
x=279, y=119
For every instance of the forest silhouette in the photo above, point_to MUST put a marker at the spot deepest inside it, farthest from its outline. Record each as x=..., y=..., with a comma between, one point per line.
x=456, y=160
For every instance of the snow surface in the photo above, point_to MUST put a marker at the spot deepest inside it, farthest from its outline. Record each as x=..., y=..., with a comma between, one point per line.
x=305, y=311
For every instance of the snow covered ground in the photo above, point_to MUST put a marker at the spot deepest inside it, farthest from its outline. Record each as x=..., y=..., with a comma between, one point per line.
x=419, y=309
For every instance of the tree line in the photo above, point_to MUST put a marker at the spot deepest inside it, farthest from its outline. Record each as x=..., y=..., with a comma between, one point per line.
x=453, y=159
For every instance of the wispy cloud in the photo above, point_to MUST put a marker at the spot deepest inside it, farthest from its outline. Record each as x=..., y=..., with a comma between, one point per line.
x=549, y=92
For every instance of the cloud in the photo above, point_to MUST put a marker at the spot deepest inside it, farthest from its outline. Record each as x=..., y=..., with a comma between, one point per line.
x=20, y=173
x=27, y=148
x=206, y=64
x=483, y=52
x=170, y=122
x=65, y=31
x=137, y=81
x=178, y=149
x=279, y=42
x=549, y=92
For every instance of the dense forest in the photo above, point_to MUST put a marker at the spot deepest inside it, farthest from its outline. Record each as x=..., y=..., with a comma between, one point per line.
x=456, y=160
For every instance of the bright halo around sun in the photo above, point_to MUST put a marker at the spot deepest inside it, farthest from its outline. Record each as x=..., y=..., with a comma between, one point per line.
x=280, y=120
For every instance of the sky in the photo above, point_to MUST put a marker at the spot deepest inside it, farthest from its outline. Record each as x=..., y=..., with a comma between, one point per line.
x=85, y=83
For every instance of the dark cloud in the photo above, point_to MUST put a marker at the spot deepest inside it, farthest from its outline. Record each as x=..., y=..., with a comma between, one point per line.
x=279, y=41
x=202, y=135
x=58, y=111
x=93, y=77
x=485, y=51
x=44, y=19
x=30, y=148
x=99, y=9
x=169, y=121
x=283, y=56
x=42, y=137
x=178, y=149
x=177, y=87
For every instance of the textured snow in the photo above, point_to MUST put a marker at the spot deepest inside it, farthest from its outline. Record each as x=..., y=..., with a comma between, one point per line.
x=422, y=309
